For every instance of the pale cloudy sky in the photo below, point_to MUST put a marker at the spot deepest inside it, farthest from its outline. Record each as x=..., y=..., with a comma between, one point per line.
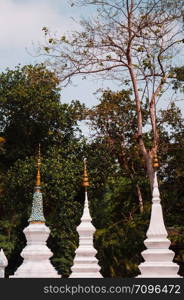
x=21, y=23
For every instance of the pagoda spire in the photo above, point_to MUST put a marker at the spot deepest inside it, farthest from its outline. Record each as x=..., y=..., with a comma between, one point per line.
x=38, y=176
x=36, y=254
x=85, y=183
x=85, y=263
x=37, y=215
x=158, y=257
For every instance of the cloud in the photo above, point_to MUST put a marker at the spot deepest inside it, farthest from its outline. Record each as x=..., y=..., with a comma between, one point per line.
x=21, y=24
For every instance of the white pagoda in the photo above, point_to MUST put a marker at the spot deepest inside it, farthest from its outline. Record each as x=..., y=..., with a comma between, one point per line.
x=3, y=263
x=36, y=254
x=85, y=263
x=158, y=257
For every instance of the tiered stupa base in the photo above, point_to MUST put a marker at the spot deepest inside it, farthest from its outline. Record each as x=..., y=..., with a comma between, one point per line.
x=36, y=254
x=158, y=264
x=86, y=264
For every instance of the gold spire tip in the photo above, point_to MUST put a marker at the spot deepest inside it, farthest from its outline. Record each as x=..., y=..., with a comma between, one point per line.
x=85, y=181
x=2, y=140
x=38, y=183
x=155, y=161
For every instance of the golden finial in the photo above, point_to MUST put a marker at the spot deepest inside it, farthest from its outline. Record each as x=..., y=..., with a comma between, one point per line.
x=2, y=140
x=38, y=183
x=85, y=182
x=155, y=161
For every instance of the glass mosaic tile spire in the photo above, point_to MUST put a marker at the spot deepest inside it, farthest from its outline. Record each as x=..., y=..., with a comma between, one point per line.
x=37, y=206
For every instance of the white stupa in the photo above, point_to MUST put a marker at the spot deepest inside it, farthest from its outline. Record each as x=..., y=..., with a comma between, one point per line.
x=85, y=263
x=36, y=254
x=158, y=257
x=3, y=263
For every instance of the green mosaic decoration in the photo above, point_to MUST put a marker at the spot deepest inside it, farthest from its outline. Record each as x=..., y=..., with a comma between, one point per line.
x=37, y=208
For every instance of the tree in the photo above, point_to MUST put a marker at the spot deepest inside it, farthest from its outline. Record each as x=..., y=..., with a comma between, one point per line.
x=61, y=172
x=129, y=41
x=112, y=194
x=113, y=121
x=115, y=213
x=31, y=112
x=30, y=104
x=118, y=205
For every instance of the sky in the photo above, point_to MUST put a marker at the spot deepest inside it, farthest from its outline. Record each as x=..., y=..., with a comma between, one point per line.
x=21, y=23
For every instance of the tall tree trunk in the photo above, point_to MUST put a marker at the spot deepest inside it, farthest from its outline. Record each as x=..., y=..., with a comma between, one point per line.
x=147, y=154
x=124, y=164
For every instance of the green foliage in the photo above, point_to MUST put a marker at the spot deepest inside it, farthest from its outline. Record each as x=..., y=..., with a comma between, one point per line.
x=113, y=122
x=30, y=101
x=120, y=246
x=178, y=78
x=31, y=113
x=121, y=232
x=60, y=186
